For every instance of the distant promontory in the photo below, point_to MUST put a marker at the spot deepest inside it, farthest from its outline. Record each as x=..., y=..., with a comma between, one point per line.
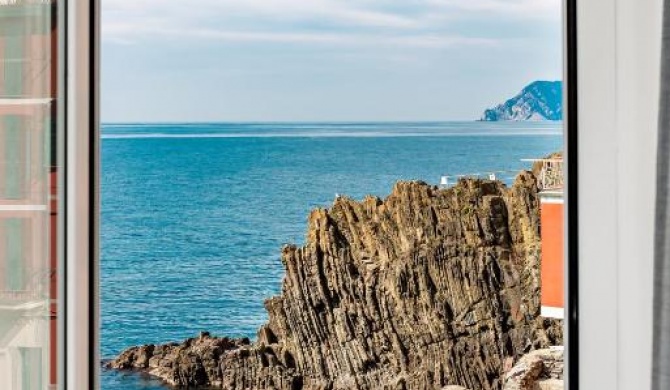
x=539, y=101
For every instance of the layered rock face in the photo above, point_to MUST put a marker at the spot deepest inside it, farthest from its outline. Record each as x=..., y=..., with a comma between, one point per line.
x=427, y=288
x=539, y=370
x=538, y=101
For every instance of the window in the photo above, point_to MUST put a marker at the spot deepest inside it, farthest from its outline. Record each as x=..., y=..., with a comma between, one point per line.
x=29, y=192
x=450, y=277
x=364, y=196
x=31, y=359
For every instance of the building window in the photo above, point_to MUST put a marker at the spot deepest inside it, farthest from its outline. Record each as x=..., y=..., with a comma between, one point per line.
x=29, y=195
x=16, y=261
x=14, y=61
x=31, y=378
x=16, y=162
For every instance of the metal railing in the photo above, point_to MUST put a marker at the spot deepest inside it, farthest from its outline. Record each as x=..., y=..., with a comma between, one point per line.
x=551, y=175
x=549, y=172
x=21, y=295
x=448, y=180
x=35, y=287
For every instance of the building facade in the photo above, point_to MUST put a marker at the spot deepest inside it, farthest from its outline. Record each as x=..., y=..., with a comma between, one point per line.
x=28, y=194
x=551, y=184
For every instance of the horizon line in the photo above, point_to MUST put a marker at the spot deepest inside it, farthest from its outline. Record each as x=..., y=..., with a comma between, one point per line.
x=333, y=122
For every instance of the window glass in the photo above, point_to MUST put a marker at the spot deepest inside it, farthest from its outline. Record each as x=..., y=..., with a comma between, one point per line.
x=28, y=195
x=332, y=194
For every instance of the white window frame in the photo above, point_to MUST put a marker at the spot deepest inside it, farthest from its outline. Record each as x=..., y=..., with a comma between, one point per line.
x=618, y=57
x=79, y=115
x=618, y=67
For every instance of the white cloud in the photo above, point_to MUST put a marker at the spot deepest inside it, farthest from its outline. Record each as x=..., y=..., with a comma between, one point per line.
x=355, y=22
x=339, y=11
x=523, y=9
x=122, y=33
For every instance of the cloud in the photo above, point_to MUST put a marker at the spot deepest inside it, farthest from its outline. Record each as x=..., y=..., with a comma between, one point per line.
x=123, y=33
x=333, y=11
x=418, y=23
x=522, y=9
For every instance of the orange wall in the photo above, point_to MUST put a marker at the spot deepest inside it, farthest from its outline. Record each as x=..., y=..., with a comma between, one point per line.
x=551, y=215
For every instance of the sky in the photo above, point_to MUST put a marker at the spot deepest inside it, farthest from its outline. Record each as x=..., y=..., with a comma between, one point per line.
x=322, y=60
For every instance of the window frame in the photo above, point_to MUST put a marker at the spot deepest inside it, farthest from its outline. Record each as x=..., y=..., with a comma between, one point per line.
x=619, y=57
x=571, y=211
x=79, y=117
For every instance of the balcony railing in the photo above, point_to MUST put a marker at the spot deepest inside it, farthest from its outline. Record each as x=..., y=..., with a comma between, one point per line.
x=35, y=288
x=21, y=295
x=549, y=172
x=551, y=176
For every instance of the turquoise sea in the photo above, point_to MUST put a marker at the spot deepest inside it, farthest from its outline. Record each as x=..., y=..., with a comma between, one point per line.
x=194, y=215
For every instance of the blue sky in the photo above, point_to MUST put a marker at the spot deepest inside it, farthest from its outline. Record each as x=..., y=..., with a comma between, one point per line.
x=322, y=60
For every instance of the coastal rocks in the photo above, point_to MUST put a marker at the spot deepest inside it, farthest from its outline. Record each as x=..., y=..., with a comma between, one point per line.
x=539, y=370
x=194, y=362
x=427, y=288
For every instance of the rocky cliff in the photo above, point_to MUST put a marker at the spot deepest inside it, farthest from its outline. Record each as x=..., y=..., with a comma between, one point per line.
x=539, y=370
x=541, y=100
x=427, y=288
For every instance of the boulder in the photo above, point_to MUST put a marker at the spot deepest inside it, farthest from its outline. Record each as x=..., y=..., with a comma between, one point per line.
x=538, y=370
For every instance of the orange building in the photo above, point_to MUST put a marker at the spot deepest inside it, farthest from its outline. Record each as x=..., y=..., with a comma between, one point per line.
x=550, y=181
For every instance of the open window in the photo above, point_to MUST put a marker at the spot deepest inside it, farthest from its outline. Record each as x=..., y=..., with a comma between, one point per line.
x=236, y=223
x=453, y=273
x=48, y=136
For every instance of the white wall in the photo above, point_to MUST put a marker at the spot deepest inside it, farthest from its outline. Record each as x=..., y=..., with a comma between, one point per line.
x=619, y=54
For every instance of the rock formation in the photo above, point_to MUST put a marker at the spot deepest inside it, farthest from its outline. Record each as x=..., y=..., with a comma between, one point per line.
x=539, y=370
x=539, y=101
x=425, y=289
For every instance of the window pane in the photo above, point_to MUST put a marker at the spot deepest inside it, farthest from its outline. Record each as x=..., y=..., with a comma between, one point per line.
x=28, y=194
x=367, y=198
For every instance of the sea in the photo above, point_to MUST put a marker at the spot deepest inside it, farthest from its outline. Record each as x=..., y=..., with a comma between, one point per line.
x=194, y=214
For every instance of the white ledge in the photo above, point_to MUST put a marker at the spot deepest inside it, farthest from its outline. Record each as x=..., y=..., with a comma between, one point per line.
x=23, y=207
x=25, y=101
